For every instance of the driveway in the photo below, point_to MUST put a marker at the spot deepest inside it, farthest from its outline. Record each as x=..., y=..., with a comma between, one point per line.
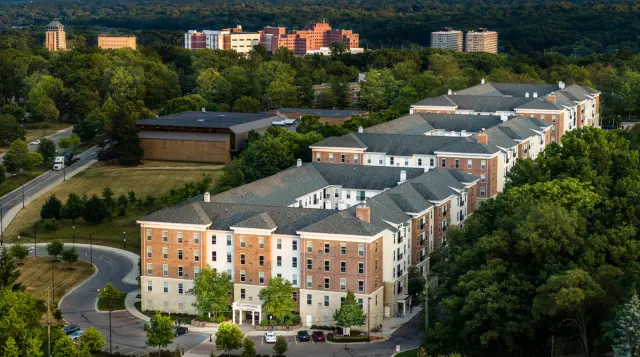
x=79, y=306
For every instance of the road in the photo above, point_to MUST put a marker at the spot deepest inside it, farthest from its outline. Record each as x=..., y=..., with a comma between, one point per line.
x=35, y=186
x=79, y=306
x=55, y=137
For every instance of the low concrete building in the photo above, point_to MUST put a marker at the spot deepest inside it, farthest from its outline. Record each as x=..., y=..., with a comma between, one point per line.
x=329, y=116
x=199, y=136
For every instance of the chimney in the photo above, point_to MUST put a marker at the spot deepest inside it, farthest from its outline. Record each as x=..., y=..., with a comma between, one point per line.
x=561, y=85
x=504, y=117
x=482, y=81
x=403, y=176
x=535, y=94
x=551, y=98
x=207, y=197
x=360, y=130
x=449, y=92
x=204, y=110
x=299, y=162
x=526, y=95
x=483, y=138
x=363, y=212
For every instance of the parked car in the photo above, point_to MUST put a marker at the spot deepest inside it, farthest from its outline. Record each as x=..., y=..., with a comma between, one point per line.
x=69, y=329
x=76, y=335
x=303, y=336
x=181, y=330
x=270, y=337
x=35, y=142
x=317, y=336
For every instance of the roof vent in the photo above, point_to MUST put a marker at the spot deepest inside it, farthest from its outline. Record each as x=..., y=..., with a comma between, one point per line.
x=207, y=197
x=360, y=130
x=449, y=92
x=204, y=110
x=526, y=95
x=535, y=94
x=200, y=120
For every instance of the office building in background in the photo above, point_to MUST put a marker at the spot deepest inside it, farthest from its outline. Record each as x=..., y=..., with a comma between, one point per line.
x=447, y=38
x=55, y=37
x=225, y=39
x=116, y=42
x=481, y=40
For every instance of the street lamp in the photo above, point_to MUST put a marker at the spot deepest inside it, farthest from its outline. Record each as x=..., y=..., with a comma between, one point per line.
x=74, y=234
x=91, y=247
x=124, y=240
x=1, y=226
x=35, y=239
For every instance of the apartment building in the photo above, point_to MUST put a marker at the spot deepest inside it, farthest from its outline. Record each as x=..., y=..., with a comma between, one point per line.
x=268, y=228
x=56, y=39
x=353, y=95
x=563, y=107
x=447, y=38
x=226, y=39
x=117, y=42
x=481, y=40
x=210, y=39
x=311, y=38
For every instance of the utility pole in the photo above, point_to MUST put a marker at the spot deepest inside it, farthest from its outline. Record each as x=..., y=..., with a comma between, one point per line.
x=23, y=195
x=1, y=226
x=53, y=283
x=369, y=317
x=35, y=239
x=48, y=324
x=91, y=247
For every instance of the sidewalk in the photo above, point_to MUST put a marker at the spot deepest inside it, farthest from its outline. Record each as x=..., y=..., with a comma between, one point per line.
x=129, y=303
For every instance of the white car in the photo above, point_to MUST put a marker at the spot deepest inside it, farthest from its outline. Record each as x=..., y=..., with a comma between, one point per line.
x=270, y=337
x=35, y=142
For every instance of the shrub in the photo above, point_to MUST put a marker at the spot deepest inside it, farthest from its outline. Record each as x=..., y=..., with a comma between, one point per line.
x=220, y=319
x=332, y=338
x=51, y=224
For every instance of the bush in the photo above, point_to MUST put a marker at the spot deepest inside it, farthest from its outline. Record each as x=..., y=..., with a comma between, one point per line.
x=220, y=319
x=51, y=224
x=332, y=338
x=323, y=327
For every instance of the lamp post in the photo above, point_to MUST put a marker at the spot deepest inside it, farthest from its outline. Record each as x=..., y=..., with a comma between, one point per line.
x=1, y=226
x=74, y=234
x=369, y=317
x=35, y=239
x=124, y=240
x=91, y=247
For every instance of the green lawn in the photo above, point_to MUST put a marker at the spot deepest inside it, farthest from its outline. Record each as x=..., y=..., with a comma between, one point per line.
x=408, y=353
x=11, y=183
x=116, y=304
x=185, y=319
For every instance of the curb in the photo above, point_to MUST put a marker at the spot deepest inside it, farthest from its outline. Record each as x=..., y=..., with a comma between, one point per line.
x=79, y=285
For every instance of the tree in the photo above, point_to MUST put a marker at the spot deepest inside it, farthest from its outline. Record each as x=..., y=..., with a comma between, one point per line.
x=211, y=290
x=10, y=130
x=191, y=102
x=350, y=313
x=94, y=210
x=34, y=159
x=69, y=142
x=3, y=173
x=340, y=91
x=73, y=208
x=280, y=347
x=623, y=332
x=20, y=320
x=248, y=348
x=17, y=158
x=277, y=298
x=416, y=282
x=8, y=272
x=282, y=93
x=213, y=87
x=379, y=91
x=19, y=251
x=246, y=105
x=160, y=331
x=10, y=349
x=47, y=149
x=55, y=248
x=51, y=208
x=64, y=347
x=70, y=255
x=110, y=293
x=229, y=337
x=92, y=340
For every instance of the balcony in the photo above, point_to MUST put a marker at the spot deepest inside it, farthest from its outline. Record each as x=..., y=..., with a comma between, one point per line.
x=444, y=229
x=400, y=256
x=400, y=273
x=421, y=226
x=462, y=217
x=422, y=257
x=400, y=240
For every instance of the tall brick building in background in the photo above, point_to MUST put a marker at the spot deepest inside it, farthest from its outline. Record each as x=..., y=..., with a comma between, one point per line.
x=312, y=37
x=56, y=39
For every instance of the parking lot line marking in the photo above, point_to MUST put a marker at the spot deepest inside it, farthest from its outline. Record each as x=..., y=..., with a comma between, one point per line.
x=262, y=342
x=295, y=339
x=312, y=341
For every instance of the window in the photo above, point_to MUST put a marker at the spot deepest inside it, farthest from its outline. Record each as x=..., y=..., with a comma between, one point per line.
x=343, y=267
x=391, y=160
x=228, y=239
x=317, y=156
x=243, y=276
x=294, y=244
x=149, y=254
x=444, y=163
x=309, y=247
x=342, y=299
x=165, y=269
x=326, y=300
x=360, y=285
x=149, y=269
x=294, y=262
x=348, y=194
x=243, y=242
x=149, y=234
x=309, y=264
x=228, y=257
x=361, y=250
x=165, y=286
x=343, y=158
x=343, y=249
x=309, y=281
x=355, y=159
x=406, y=162
x=214, y=239
x=149, y=285
x=279, y=261
x=261, y=242
x=179, y=237
x=457, y=163
x=294, y=279
x=483, y=164
x=381, y=160
x=483, y=178
x=553, y=118
x=368, y=159
x=309, y=299
x=196, y=238
x=432, y=162
x=331, y=157
x=261, y=277
x=196, y=255
x=360, y=268
x=196, y=272
x=327, y=248
x=469, y=164
x=279, y=243
x=376, y=263
x=179, y=254
x=242, y=260
x=326, y=283
x=180, y=271
x=165, y=252
x=361, y=303
x=327, y=265
x=180, y=288
x=343, y=284
x=243, y=293
x=294, y=296
x=482, y=192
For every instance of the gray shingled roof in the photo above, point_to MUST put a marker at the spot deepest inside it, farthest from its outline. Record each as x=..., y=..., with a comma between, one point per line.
x=213, y=120
x=509, y=89
x=421, y=123
x=520, y=128
x=350, y=140
x=441, y=101
x=184, y=136
x=412, y=124
x=333, y=113
x=54, y=24
x=364, y=177
x=488, y=104
x=259, y=221
x=499, y=138
x=187, y=212
x=539, y=103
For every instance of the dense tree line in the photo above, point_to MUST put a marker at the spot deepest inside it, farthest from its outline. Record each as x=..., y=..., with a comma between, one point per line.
x=551, y=260
x=598, y=26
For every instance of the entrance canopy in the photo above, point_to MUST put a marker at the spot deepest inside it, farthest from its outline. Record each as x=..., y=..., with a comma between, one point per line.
x=243, y=307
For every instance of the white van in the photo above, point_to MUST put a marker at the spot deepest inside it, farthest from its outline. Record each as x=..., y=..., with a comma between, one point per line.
x=58, y=163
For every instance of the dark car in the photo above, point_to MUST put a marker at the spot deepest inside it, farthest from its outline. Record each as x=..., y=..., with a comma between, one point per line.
x=317, y=336
x=303, y=336
x=181, y=330
x=70, y=329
